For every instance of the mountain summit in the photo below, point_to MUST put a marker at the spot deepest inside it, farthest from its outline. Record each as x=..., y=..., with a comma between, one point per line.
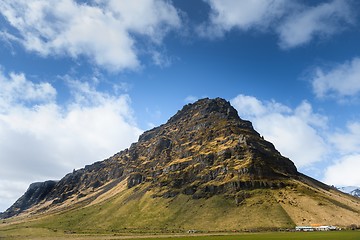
x=206, y=149
x=204, y=159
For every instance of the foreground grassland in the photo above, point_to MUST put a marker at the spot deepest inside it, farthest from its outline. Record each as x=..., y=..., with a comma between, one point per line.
x=42, y=234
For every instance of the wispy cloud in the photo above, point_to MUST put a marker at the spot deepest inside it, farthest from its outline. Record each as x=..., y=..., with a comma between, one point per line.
x=340, y=81
x=103, y=31
x=321, y=21
x=295, y=23
x=41, y=139
x=190, y=99
x=243, y=15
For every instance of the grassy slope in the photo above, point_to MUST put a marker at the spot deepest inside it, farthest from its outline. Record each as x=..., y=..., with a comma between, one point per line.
x=135, y=210
x=310, y=205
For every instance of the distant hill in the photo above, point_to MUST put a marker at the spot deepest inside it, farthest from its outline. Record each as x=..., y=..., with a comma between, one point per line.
x=205, y=169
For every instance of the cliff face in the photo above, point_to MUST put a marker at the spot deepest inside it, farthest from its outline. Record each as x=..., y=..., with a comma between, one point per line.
x=205, y=149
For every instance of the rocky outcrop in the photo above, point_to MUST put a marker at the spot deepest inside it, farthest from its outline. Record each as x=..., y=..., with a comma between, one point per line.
x=35, y=194
x=203, y=150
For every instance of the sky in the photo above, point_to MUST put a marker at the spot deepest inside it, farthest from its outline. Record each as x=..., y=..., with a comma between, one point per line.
x=81, y=80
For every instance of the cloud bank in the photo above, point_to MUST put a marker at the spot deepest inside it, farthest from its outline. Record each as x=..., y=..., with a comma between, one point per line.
x=43, y=139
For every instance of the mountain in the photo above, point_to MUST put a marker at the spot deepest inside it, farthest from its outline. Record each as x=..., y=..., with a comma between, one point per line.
x=354, y=191
x=206, y=168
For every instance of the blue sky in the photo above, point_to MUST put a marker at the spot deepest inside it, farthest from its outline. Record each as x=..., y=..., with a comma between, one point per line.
x=80, y=80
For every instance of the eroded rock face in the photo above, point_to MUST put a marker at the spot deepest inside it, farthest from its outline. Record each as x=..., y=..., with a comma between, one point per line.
x=203, y=150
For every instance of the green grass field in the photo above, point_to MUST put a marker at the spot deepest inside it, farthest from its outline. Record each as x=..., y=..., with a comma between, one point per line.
x=32, y=234
x=276, y=235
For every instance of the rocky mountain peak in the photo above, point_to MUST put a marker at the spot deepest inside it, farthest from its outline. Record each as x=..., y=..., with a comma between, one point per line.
x=204, y=108
x=205, y=114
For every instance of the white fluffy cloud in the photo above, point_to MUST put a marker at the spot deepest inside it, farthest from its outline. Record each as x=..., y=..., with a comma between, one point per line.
x=102, y=30
x=289, y=129
x=295, y=23
x=345, y=169
x=349, y=141
x=40, y=140
x=340, y=81
x=345, y=172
